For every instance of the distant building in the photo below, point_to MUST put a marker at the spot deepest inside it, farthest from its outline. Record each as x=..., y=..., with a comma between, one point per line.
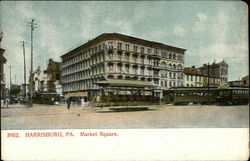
x=244, y=82
x=198, y=77
x=236, y=83
x=53, y=72
x=113, y=59
x=218, y=71
x=49, y=79
x=40, y=80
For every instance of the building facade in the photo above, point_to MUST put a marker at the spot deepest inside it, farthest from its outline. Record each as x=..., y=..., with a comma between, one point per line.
x=48, y=80
x=218, y=71
x=193, y=78
x=212, y=75
x=3, y=60
x=119, y=57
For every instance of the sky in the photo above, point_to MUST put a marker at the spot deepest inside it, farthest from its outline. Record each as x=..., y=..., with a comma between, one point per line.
x=209, y=30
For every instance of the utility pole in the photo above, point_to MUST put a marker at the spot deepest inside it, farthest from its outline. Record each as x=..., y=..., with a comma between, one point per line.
x=10, y=84
x=32, y=26
x=208, y=76
x=24, y=70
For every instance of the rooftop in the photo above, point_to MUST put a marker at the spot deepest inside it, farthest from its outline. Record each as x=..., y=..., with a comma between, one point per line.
x=117, y=36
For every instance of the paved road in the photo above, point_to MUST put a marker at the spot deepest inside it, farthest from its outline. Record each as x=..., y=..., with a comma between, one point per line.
x=161, y=116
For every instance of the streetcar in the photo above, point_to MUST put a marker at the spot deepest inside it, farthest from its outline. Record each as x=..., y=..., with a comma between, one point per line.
x=46, y=97
x=205, y=95
x=233, y=95
x=186, y=95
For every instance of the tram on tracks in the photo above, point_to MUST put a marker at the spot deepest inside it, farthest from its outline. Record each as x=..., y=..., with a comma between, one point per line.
x=46, y=97
x=205, y=95
x=233, y=95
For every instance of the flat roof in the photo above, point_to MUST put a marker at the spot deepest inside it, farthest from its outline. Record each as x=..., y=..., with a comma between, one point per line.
x=117, y=36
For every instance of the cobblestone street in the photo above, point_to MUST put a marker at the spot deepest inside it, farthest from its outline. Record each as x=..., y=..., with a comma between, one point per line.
x=167, y=116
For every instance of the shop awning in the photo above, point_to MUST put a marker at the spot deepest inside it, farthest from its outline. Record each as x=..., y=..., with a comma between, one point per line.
x=76, y=94
x=125, y=83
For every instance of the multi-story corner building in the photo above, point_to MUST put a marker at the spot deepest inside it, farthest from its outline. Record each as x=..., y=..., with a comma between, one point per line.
x=113, y=56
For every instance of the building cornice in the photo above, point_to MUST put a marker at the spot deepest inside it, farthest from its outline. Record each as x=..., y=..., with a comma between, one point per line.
x=121, y=37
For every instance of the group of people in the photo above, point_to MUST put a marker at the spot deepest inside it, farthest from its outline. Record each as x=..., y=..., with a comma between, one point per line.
x=84, y=102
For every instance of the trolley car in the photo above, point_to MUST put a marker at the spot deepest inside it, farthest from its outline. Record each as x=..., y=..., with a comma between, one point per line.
x=190, y=95
x=205, y=95
x=46, y=97
x=233, y=95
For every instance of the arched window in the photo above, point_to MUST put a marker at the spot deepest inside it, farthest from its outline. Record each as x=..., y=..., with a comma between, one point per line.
x=170, y=66
x=163, y=64
x=174, y=66
x=179, y=66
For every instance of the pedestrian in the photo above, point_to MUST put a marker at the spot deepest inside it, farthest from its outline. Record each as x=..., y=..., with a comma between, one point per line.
x=84, y=102
x=69, y=102
x=7, y=102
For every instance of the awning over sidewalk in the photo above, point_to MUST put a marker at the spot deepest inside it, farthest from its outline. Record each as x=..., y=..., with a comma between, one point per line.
x=76, y=94
x=125, y=83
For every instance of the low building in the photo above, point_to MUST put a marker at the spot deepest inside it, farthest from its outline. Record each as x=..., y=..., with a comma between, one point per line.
x=192, y=77
x=243, y=82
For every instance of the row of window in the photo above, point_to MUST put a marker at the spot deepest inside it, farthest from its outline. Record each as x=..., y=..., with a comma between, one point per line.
x=84, y=74
x=164, y=74
x=83, y=55
x=171, y=84
x=190, y=77
x=142, y=50
x=80, y=85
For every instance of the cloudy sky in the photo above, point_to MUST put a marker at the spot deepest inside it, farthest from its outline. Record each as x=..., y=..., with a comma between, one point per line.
x=210, y=30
